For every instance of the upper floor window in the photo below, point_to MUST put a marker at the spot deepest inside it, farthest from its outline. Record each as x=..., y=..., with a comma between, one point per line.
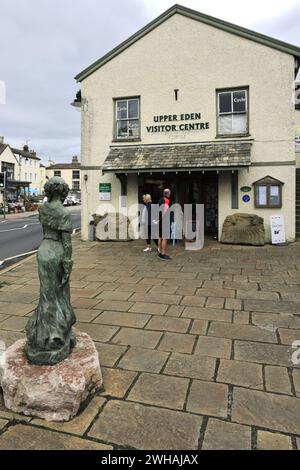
x=76, y=174
x=232, y=112
x=127, y=112
x=57, y=173
x=10, y=170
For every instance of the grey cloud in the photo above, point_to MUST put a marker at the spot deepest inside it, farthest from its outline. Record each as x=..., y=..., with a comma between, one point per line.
x=45, y=43
x=285, y=27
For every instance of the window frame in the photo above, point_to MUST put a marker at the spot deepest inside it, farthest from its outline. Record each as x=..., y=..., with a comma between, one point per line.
x=267, y=182
x=57, y=171
x=232, y=90
x=116, y=120
x=9, y=169
x=76, y=177
x=76, y=182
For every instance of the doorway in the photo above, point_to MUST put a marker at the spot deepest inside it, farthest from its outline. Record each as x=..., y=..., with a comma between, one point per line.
x=194, y=188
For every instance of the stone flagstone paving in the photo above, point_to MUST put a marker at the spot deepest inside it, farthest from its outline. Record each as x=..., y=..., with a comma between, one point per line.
x=195, y=353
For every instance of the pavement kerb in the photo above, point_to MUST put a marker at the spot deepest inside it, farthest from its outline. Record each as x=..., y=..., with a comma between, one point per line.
x=19, y=216
x=15, y=265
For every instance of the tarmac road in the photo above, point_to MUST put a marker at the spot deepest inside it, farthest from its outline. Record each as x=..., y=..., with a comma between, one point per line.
x=20, y=237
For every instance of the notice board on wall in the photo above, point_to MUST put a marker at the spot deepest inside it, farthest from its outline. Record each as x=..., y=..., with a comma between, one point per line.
x=105, y=191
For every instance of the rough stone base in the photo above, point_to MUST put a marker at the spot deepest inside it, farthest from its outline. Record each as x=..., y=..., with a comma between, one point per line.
x=243, y=229
x=53, y=393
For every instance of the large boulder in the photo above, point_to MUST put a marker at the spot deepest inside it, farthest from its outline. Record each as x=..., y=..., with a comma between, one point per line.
x=244, y=229
x=53, y=393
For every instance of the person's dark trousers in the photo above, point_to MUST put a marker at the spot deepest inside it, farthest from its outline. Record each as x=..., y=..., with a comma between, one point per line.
x=149, y=235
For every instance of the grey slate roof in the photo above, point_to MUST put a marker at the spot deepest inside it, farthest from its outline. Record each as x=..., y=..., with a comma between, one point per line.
x=64, y=166
x=3, y=147
x=177, y=157
x=25, y=154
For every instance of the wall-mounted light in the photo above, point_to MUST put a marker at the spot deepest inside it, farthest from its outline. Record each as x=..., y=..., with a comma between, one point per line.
x=86, y=177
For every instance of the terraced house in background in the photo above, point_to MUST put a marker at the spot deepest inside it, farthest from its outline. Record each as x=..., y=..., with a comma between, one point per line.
x=23, y=171
x=196, y=104
x=70, y=172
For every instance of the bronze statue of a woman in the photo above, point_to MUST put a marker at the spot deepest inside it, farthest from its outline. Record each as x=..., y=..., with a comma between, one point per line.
x=49, y=330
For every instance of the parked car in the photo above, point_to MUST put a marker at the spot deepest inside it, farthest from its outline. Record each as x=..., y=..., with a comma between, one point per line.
x=74, y=200
x=67, y=202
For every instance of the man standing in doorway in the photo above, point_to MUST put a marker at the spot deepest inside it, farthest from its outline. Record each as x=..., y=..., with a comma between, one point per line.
x=164, y=224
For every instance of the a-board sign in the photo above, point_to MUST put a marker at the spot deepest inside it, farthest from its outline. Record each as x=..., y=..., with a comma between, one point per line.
x=277, y=229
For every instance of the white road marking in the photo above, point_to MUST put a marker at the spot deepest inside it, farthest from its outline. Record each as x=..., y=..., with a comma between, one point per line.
x=17, y=256
x=18, y=228
x=29, y=252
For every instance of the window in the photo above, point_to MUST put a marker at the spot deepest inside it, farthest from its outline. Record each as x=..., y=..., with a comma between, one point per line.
x=10, y=170
x=268, y=193
x=35, y=177
x=76, y=185
x=25, y=176
x=232, y=112
x=30, y=178
x=76, y=174
x=127, y=119
x=57, y=173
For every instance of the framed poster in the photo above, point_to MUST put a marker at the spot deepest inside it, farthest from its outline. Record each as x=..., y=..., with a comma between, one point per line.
x=261, y=195
x=105, y=191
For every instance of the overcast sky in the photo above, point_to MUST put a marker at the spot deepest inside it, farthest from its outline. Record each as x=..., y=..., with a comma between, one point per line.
x=45, y=43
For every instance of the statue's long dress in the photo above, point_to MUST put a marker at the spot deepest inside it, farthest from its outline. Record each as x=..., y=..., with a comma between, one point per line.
x=49, y=330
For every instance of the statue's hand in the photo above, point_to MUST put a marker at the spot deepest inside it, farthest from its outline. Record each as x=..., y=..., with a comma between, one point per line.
x=64, y=280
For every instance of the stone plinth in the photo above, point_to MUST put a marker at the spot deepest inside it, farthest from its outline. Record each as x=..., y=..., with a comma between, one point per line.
x=53, y=393
x=244, y=229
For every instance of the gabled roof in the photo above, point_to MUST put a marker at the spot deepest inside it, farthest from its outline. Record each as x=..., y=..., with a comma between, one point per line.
x=195, y=15
x=267, y=180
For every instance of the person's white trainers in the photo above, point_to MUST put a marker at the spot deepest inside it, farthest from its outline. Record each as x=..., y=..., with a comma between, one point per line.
x=147, y=249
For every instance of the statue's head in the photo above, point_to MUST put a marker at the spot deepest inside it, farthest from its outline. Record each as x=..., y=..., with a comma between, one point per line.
x=56, y=187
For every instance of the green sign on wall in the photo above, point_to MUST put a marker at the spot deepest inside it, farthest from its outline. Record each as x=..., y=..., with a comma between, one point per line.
x=245, y=189
x=105, y=188
x=105, y=191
